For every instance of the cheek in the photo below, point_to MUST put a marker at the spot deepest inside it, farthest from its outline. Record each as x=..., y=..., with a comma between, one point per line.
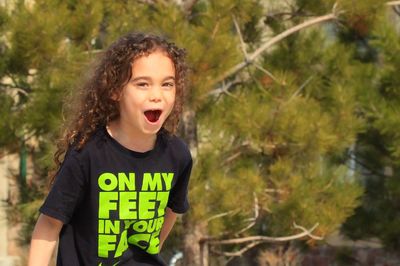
x=134, y=98
x=173, y=96
x=172, y=101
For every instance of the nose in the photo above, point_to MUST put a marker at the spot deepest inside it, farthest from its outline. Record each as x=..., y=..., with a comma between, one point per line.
x=155, y=94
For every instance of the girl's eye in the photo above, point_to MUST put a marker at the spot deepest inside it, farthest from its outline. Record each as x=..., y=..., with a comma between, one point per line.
x=142, y=84
x=168, y=84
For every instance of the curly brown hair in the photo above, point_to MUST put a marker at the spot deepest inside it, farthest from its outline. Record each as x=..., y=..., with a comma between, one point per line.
x=96, y=106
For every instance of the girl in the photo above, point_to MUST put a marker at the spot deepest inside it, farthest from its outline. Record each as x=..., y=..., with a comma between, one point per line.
x=124, y=176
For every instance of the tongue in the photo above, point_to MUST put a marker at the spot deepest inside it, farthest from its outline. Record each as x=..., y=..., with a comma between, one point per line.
x=152, y=116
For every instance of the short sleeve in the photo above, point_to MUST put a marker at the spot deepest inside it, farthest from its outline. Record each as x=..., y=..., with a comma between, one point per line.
x=66, y=192
x=178, y=198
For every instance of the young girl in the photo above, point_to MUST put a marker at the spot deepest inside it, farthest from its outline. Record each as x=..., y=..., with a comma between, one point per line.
x=124, y=176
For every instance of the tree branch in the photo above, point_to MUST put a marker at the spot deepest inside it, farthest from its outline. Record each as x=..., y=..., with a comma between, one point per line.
x=396, y=10
x=393, y=3
x=225, y=88
x=266, y=72
x=239, y=252
x=12, y=87
x=267, y=238
x=253, y=219
x=221, y=215
x=150, y=2
x=300, y=89
x=242, y=43
x=273, y=41
x=305, y=230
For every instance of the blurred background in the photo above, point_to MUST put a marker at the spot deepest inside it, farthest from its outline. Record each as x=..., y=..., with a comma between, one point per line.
x=292, y=118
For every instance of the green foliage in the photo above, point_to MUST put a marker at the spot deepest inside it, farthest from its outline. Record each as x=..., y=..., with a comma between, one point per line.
x=277, y=140
x=83, y=21
x=316, y=6
x=311, y=196
x=289, y=138
x=6, y=121
x=378, y=148
x=26, y=214
x=28, y=47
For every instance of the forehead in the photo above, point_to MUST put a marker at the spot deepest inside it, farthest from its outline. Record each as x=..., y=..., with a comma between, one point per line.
x=157, y=63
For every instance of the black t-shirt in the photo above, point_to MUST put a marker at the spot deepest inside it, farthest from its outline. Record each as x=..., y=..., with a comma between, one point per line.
x=112, y=200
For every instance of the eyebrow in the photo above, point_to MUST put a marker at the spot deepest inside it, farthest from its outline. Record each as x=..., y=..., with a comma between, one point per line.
x=149, y=78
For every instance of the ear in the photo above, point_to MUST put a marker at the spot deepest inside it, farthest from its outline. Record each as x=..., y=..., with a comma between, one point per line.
x=116, y=96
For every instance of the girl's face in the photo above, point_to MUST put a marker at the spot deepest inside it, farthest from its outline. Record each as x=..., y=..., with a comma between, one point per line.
x=148, y=98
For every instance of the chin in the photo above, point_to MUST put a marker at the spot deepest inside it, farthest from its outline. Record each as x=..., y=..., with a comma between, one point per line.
x=151, y=131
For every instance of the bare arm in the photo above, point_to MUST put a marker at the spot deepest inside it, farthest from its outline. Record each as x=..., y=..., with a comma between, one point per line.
x=169, y=221
x=44, y=239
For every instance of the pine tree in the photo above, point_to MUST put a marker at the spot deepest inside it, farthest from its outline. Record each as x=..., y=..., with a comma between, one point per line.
x=270, y=129
x=377, y=150
x=42, y=54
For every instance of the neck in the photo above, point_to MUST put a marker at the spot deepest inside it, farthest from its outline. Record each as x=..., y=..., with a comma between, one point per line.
x=131, y=139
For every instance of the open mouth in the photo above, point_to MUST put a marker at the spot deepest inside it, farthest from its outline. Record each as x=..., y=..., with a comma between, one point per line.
x=153, y=115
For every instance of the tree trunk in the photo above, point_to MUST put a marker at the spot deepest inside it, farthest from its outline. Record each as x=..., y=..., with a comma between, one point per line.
x=204, y=253
x=188, y=130
x=192, y=251
x=195, y=251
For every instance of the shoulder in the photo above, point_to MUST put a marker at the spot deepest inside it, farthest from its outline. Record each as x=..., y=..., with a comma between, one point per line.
x=93, y=144
x=179, y=147
x=179, y=144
